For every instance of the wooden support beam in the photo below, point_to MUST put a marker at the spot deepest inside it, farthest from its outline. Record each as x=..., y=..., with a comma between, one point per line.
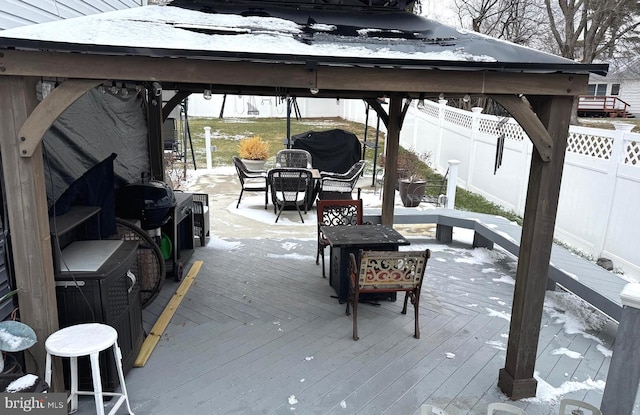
x=28, y=220
x=173, y=102
x=163, y=321
x=516, y=378
x=48, y=110
x=391, y=158
x=377, y=107
x=520, y=109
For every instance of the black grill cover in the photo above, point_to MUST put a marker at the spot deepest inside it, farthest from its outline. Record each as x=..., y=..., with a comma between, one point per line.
x=332, y=150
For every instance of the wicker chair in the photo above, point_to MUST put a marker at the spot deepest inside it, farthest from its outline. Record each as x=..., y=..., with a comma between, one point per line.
x=293, y=158
x=340, y=185
x=251, y=181
x=336, y=213
x=387, y=272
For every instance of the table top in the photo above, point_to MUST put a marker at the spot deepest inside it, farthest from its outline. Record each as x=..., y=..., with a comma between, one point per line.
x=363, y=235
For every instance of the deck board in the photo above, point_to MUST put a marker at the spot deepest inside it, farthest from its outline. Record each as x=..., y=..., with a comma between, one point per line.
x=259, y=324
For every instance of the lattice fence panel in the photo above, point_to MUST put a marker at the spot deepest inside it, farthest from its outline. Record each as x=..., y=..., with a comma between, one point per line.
x=457, y=118
x=632, y=154
x=511, y=131
x=590, y=145
x=431, y=110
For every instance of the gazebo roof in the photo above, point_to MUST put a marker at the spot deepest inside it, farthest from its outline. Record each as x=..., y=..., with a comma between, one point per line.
x=210, y=31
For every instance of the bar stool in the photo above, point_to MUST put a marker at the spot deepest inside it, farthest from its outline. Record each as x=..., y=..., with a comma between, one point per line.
x=87, y=340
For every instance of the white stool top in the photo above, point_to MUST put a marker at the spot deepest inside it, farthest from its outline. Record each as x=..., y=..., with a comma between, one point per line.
x=81, y=340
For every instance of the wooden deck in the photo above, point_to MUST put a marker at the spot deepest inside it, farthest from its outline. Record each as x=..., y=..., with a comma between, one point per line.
x=260, y=333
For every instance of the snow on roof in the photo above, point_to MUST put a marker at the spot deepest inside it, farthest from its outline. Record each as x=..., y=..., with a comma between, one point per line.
x=232, y=32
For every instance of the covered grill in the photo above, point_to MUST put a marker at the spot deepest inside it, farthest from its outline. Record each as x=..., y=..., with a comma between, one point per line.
x=150, y=202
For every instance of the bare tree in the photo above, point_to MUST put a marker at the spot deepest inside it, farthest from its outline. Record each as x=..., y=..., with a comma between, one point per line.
x=517, y=21
x=586, y=30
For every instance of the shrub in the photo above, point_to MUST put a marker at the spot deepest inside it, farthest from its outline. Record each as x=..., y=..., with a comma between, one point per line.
x=253, y=148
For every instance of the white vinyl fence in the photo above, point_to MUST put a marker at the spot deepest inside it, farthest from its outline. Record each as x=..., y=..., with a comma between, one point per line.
x=599, y=206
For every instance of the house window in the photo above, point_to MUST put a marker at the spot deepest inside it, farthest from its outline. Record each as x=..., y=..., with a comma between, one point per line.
x=615, y=89
x=597, y=89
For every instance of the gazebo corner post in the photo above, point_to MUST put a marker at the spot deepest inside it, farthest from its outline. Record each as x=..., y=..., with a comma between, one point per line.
x=391, y=158
x=28, y=220
x=621, y=389
x=516, y=379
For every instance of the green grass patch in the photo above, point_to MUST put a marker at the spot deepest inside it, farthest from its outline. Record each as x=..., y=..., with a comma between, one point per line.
x=226, y=133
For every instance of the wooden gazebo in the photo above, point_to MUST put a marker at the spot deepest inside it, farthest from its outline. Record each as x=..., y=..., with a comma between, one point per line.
x=353, y=49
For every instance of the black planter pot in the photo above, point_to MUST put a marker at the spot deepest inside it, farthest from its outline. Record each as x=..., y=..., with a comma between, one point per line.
x=411, y=192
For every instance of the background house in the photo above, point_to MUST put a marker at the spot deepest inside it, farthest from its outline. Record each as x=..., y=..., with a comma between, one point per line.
x=622, y=82
x=16, y=13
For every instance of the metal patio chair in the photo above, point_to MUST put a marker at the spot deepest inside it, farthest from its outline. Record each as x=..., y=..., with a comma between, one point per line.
x=336, y=213
x=290, y=187
x=251, y=180
x=340, y=185
x=293, y=158
x=387, y=272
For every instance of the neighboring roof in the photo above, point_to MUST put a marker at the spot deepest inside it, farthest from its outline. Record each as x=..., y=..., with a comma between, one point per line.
x=16, y=13
x=206, y=30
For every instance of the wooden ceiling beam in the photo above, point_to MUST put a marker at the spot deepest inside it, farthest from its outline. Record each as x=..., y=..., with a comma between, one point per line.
x=288, y=75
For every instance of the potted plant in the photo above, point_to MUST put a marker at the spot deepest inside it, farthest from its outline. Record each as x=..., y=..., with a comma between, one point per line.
x=411, y=182
x=254, y=152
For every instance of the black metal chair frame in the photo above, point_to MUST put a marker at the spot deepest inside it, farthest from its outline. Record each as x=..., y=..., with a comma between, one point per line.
x=251, y=181
x=201, y=216
x=286, y=185
x=340, y=185
x=386, y=272
x=335, y=213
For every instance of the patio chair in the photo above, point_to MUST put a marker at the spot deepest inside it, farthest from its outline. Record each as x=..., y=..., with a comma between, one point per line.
x=201, y=216
x=340, y=185
x=387, y=272
x=575, y=407
x=251, y=180
x=500, y=407
x=290, y=187
x=293, y=158
x=336, y=213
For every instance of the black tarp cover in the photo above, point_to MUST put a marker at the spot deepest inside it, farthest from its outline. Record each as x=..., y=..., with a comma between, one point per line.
x=332, y=150
x=88, y=132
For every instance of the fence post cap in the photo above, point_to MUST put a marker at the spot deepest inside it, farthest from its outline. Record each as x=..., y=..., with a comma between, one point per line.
x=623, y=126
x=476, y=109
x=630, y=295
x=207, y=128
x=453, y=162
x=442, y=101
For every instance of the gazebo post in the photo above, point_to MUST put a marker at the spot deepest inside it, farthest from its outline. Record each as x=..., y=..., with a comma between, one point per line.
x=516, y=378
x=27, y=210
x=391, y=157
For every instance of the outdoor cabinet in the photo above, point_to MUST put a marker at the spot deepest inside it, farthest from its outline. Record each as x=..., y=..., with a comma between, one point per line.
x=98, y=287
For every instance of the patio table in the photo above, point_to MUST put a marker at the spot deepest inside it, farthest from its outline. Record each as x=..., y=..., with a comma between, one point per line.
x=345, y=240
